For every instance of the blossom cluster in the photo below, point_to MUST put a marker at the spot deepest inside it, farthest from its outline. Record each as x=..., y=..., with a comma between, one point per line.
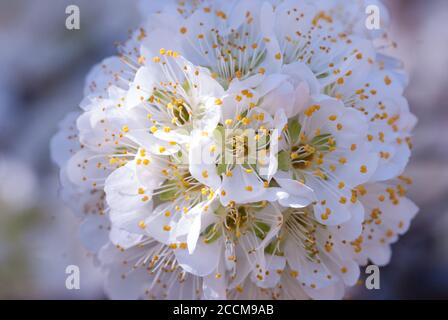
x=242, y=149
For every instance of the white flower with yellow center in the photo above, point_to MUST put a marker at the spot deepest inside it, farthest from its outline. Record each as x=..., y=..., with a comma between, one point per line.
x=225, y=36
x=325, y=149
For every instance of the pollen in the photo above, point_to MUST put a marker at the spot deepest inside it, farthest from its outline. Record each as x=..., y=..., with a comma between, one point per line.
x=142, y=224
x=183, y=245
x=166, y=228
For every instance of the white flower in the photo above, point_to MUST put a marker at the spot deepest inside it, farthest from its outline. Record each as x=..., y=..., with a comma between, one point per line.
x=388, y=214
x=240, y=149
x=325, y=149
x=147, y=269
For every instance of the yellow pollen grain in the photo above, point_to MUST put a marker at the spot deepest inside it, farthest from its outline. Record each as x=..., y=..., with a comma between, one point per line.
x=183, y=245
x=142, y=224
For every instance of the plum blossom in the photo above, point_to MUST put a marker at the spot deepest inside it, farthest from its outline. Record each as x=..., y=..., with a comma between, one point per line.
x=240, y=150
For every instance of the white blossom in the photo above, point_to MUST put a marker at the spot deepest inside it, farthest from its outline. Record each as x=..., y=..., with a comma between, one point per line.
x=240, y=150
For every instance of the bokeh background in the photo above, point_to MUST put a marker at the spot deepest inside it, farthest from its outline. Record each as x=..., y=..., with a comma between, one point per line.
x=42, y=71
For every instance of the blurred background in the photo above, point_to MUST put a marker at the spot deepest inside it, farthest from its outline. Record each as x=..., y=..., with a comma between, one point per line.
x=42, y=71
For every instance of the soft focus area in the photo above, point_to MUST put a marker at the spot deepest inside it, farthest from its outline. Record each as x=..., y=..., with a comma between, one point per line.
x=43, y=66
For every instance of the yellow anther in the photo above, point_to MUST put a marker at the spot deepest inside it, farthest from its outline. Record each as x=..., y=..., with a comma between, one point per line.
x=142, y=224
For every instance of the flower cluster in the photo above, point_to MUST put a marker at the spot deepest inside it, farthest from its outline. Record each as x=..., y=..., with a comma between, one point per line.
x=240, y=150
